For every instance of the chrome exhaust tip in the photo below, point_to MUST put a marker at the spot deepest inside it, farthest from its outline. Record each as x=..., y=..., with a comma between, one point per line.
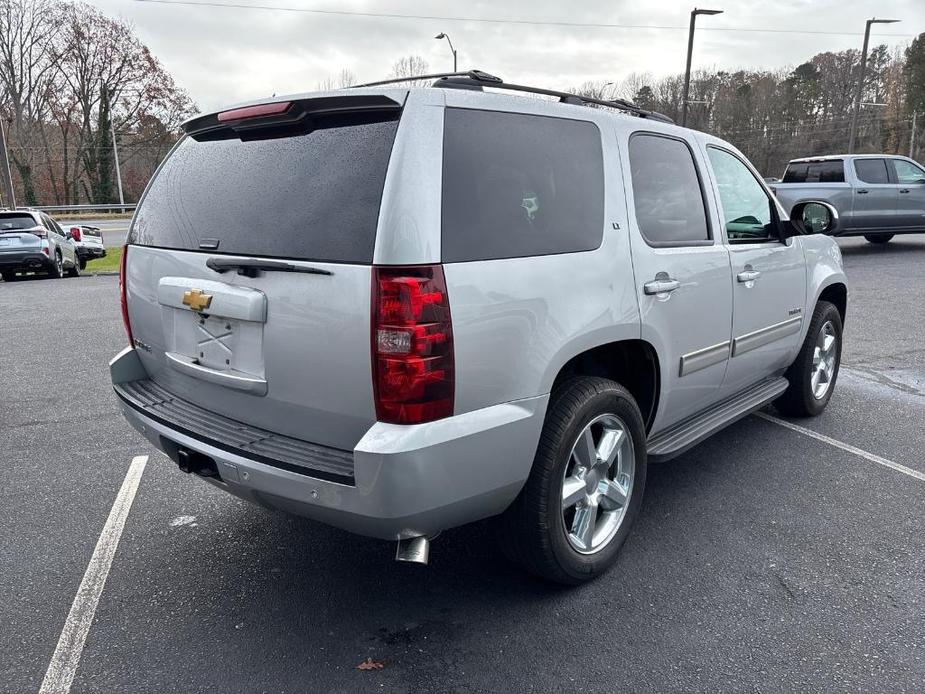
x=415, y=550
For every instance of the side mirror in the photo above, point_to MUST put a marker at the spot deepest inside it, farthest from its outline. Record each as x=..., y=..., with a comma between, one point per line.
x=814, y=217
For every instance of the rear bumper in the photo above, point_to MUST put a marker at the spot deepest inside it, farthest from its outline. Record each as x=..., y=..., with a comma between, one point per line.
x=408, y=480
x=34, y=261
x=84, y=252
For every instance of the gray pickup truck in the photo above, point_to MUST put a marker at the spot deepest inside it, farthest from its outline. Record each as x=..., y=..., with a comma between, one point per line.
x=876, y=195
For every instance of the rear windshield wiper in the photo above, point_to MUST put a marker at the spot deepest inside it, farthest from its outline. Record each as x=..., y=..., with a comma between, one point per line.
x=252, y=267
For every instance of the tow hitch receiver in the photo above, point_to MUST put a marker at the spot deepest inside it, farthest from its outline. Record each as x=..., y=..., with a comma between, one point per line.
x=191, y=461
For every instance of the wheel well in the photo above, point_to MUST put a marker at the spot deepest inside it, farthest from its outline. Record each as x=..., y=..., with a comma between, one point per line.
x=836, y=294
x=631, y=363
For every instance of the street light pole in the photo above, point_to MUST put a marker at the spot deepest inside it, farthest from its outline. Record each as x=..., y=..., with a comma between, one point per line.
x=441, y=35
x=912, y=137
x=690, y=52
x=115, y=155
x=852, y=136
x=6, y=176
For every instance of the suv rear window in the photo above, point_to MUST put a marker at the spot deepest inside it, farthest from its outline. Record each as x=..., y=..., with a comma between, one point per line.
x=311, y=196
x=516, y=185
x=10, y=222
x=832, y=171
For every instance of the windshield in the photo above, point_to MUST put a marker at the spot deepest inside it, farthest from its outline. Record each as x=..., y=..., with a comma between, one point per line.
x=16, y=222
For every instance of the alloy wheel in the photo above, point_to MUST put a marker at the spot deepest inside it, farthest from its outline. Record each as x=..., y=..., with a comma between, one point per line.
x=824, y=356
x=597, y=483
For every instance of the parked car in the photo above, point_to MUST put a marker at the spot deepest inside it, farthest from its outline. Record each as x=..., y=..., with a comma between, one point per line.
x=31, y=241
x=89, y=243
x=464, y=304
x=876, y=195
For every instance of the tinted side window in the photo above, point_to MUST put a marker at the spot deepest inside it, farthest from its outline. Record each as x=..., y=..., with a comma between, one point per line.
x=871, y=170
x=666, y=191
x=832, y=171
x=516, y=185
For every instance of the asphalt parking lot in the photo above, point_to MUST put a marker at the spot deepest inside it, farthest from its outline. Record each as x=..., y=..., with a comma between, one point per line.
x=763, y=560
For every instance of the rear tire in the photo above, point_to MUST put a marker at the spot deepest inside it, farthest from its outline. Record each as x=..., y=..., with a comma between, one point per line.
x=570, y=520
x=74, y=270
x=813, y=373
x=57, y=268
x=82, y=263
x=8, y=276
x=878, y=238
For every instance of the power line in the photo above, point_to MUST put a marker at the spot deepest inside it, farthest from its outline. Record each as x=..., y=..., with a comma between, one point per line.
x=489, y=20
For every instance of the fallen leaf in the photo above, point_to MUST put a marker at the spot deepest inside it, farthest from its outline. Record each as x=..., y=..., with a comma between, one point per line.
x=370, y=664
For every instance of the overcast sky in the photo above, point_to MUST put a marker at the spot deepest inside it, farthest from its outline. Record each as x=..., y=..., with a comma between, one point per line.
x=226, y=55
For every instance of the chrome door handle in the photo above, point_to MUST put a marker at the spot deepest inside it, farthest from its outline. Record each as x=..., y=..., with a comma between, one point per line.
x=861, y=192
x=748, y=276
x=661, y=286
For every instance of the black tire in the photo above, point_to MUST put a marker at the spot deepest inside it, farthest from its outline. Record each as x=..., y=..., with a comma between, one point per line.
x=533, y=530
x=57, y=268
x=800, y=400
x=82, y=263
x=878, y=238
x=74, y=270
x=8, y=276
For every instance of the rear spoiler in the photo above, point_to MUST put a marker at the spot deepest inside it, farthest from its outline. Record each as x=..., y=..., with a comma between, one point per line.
x=297, y=114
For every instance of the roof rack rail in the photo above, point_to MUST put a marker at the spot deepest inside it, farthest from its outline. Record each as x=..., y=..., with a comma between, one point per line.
x=477, y=79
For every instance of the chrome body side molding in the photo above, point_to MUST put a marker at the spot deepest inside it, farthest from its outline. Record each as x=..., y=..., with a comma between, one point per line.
x=702, y=358
x=759, y=338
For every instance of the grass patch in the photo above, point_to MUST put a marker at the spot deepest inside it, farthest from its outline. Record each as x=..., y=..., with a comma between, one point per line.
x=108, y=264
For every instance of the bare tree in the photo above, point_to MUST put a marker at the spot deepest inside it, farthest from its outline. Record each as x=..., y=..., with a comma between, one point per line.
x=409, y=66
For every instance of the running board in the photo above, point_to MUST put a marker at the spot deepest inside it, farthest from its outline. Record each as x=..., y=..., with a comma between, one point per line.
x=687, y=434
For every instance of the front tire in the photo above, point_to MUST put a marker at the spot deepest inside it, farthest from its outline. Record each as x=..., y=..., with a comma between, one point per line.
x=8, y=276
x=586, y=485
x=813, y=373
x=878, y=238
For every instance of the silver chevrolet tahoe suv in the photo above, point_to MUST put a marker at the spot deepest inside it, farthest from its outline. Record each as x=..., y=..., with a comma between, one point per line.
x=397, y=311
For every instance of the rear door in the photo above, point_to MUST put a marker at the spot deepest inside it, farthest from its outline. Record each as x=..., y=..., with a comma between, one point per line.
x=681, y=271
x=910, y=178
x=876, y=196
x=249, y=266
x=768, y=275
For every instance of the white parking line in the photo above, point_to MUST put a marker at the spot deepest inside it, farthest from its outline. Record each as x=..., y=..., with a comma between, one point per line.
x=845, y=447
x=66, y=658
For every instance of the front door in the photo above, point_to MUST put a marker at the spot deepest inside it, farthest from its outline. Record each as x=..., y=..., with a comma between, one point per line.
x=910, y=178
x=875, y=196
x=768, y=276
x=681, y=272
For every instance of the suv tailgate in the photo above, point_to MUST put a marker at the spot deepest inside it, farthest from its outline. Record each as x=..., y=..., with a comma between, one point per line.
x=285, y=348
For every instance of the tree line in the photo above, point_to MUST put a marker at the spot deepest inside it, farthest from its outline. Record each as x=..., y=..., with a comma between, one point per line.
x=73, y=80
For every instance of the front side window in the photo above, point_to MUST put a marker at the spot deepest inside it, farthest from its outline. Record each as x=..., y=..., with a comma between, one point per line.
x=666, y=191
x=746, y=207
x=907, y=172
x=517, y=185
x=871, y=170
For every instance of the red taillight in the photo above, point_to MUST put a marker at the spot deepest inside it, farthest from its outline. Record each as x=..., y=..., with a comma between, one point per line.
x=412, y=343
x=46, y=251
x=254, y=111
x=125, y=321
x=75, y=233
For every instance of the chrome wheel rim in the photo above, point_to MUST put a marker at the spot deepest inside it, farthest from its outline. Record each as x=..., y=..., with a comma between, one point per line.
x=597, y=484
x=825, y=354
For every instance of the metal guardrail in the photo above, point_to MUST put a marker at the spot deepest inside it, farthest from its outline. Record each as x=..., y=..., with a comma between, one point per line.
x=87, y=208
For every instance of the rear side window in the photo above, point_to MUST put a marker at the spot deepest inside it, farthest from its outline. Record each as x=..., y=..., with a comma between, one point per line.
x=666, y=191
x=516, y=185
x=830, y=171
x=311, y=196
x=871, y=170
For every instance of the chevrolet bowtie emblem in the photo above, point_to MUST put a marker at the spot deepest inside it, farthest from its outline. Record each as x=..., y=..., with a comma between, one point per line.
x=196, y=300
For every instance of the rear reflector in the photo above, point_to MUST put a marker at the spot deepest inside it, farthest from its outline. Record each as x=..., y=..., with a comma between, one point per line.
x=412, y=343
x=122, y=297
x=254, y=111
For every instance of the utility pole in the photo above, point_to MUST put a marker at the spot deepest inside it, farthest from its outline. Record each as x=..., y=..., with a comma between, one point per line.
x=912, y=137
x=115, y=155
x=6, y=176
x=852, y=136
x=690, y=52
